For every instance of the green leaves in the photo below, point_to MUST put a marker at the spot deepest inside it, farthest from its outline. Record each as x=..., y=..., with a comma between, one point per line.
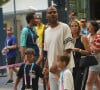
x=3, y=2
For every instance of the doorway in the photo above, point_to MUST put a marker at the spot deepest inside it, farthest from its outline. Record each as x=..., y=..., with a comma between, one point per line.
x=95, y=9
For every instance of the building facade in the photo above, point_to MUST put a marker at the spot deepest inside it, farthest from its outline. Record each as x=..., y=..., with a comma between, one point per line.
x=88, y=9
x=14, y=13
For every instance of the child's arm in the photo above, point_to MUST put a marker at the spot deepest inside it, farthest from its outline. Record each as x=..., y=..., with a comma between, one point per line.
x=16, y=83
x=57, y=76
x=53, y=70
x=19, y=76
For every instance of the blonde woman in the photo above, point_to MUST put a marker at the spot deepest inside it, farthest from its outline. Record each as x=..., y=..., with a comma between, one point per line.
x=81, y=45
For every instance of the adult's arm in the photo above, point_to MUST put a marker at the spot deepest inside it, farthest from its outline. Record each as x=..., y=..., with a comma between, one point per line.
x=86, y=44
x=45, y=69
x=14, y=44
x=23, y=39
x=12, y=47
x=22, y=50
x=68, y=45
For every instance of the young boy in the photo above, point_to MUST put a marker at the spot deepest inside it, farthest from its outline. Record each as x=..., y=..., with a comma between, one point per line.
x=29, y=71
x=66, y=78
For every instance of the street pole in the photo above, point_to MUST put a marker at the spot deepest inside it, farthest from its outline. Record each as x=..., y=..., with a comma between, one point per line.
x=84, y=8
x=67, y=8
x=2, y=39
x=88, y=6
x=14, y=19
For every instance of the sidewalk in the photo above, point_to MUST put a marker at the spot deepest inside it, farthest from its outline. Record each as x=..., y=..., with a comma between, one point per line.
x=4, y=86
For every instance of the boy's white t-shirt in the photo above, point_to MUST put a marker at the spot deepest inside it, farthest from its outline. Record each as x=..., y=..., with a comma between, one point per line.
x=67, y=78
x=56, y=40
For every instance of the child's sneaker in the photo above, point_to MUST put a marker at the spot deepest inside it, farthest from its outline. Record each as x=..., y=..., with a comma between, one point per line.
x=10, y=81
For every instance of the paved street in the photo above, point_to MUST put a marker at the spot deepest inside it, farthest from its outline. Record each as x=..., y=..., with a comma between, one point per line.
x=3, y=85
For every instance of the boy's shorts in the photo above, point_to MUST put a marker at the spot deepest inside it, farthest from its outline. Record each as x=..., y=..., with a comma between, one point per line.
x=11, y=60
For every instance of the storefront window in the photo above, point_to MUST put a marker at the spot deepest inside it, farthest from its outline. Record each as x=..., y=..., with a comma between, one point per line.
x=80, y=7
x=72, y=4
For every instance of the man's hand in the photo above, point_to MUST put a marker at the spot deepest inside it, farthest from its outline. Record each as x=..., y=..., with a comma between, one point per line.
x=53, y=69
x=67, y=52
x=76, y=49
x=45, y=72
x=95, y=50
x=4, y=50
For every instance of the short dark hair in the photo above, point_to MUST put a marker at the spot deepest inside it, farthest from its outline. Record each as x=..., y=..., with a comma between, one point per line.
x=29, y=16
x=30, y=51
x=84, y=19
x=64, y=58
x=73, y=11
x=95, y=25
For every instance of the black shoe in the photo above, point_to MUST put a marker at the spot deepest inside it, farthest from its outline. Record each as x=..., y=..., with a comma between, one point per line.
x=10, y=81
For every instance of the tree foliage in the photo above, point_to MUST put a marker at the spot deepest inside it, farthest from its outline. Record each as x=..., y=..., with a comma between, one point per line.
x=2, y=2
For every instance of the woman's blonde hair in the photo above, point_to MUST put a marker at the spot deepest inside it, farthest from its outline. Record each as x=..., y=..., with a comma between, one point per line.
x=79, y=28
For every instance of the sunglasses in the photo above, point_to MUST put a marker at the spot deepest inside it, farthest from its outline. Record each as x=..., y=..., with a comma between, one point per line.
x=83, y=21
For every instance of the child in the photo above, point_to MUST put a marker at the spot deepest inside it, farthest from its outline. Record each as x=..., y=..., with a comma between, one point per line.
x=66, y=78
x=29, y=71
